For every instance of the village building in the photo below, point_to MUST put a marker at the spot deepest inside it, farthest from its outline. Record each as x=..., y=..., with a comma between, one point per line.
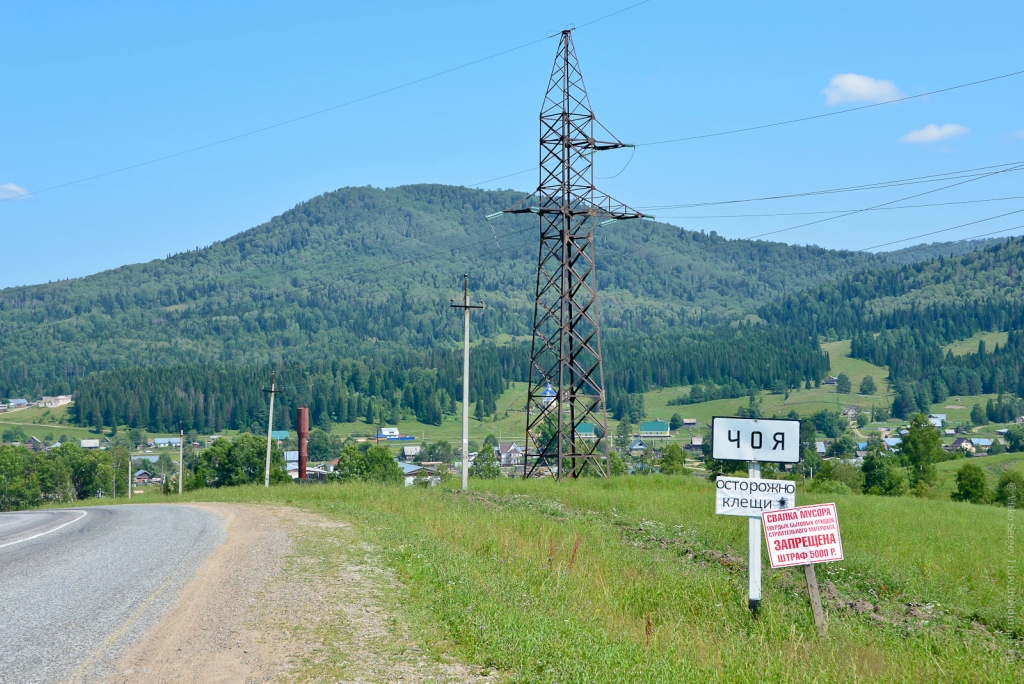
x=638, y=445
x=586, y=431
x=654, y=429
x=509, y=453
x=411, y=471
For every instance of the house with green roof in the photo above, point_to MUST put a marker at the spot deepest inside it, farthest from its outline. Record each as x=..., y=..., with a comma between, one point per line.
x=586, y=431
x=655, y=429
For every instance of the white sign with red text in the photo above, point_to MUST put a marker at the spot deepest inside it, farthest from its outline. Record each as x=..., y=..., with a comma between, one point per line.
x=803, y=535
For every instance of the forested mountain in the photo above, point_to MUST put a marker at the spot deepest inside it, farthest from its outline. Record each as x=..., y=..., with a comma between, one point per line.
x=363, y=270
x=346, y=295
x=901, y=318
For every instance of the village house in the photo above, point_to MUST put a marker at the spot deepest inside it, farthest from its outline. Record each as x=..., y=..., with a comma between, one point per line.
x=167, y=442
x=89, y=443
x=142, y=477
x=654, y=429
x=689, y=422
x=509, y=453
x=54, y=402
x=638, y=445
x=409, y=453
x=586, y=431
x=411, y=471
x=962, y=444
x=830, y=380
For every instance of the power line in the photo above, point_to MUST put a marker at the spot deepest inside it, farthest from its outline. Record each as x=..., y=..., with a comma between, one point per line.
x=309, y=115
x=943, y=230
x=953, y=242
x=913, y=180
x=841, y=211
x=883, y=204
x=830, y=114
x=788, y=121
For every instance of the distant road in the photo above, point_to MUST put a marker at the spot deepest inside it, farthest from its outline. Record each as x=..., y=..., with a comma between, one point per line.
x=77, y=586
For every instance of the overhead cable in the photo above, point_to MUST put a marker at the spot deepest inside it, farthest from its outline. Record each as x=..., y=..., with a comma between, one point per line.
x=830, y=114
x=309, y=115
x=913, y=180
x=884, y=204
x=840, y=211
x=936, y=232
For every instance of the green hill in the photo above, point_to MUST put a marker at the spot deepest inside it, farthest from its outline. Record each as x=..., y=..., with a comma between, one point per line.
x=360, y=269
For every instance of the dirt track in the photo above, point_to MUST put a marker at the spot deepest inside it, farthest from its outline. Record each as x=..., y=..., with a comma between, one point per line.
x=261, y=609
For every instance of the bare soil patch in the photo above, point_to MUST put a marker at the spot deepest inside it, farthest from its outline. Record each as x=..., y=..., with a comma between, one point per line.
x=289, y=596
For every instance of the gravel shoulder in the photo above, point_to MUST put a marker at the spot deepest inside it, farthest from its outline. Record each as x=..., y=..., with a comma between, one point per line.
x=289, y=596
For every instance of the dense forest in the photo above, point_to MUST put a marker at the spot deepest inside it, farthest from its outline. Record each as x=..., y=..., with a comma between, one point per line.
x=425, y=384
x=355, y=271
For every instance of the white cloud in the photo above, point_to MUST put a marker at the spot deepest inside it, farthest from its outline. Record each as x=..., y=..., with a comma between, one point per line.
x=932, y=133
x=856, y=88
x=11, y=191
x=1018, y=134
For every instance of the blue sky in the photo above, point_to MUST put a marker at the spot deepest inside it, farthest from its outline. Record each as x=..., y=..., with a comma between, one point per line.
x=88, y=88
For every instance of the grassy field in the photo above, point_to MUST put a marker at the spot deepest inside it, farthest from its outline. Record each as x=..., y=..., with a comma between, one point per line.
x=994, y=467
x=636, y=580
x=970, y=345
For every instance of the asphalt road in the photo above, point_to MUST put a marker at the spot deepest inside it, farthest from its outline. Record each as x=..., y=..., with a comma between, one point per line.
x=78, y=586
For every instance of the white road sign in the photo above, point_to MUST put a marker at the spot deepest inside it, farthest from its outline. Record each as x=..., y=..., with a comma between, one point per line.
x=755, y=439
x=749, y=498
x=803, y=535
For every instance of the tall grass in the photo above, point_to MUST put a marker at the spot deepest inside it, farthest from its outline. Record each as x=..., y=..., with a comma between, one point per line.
x=636, y=580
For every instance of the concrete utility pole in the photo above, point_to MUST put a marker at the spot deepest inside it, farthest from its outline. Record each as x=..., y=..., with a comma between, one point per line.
x=130, y=487
x=753, y=548
x=270, y=428
x=465, y=306
x=181, y=458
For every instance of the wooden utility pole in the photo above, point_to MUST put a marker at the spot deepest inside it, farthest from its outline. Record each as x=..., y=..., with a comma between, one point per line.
x=270, y=428
x=465, y=306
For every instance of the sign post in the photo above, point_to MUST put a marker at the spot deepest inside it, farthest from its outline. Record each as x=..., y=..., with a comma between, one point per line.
x=804, y=536
x=756, y=441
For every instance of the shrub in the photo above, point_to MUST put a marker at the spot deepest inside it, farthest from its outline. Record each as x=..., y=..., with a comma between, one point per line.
x=845, y=473
x=1010, y=488
x=829, y=487
x=1015, y=438
x=485, y=466
x=970, y=484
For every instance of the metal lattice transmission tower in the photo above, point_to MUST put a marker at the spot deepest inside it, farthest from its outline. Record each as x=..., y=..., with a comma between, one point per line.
x=567, y=420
